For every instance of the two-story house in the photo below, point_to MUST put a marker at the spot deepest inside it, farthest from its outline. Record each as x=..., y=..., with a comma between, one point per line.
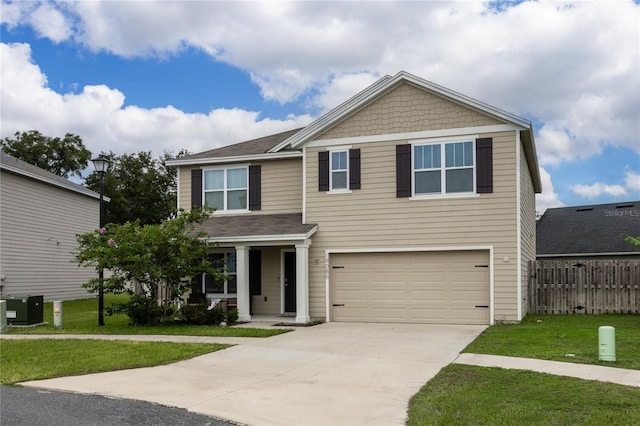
x=407, y=203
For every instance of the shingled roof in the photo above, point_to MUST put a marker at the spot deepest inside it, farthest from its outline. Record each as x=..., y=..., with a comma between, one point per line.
x=591, y=229
x=14, y=165
x=259, y=227
x=250, y=147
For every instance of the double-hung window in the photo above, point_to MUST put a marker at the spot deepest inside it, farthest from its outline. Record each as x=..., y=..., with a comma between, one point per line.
x=339, y=170
x=226, y=189
x=227, y=287
x=443, y=168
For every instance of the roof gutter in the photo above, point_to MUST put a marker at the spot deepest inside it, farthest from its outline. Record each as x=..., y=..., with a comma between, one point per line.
x=238, y=158
x=263, y=238
x=79, y=189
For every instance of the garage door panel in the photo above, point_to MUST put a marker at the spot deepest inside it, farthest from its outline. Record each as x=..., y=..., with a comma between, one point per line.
x=422, y=287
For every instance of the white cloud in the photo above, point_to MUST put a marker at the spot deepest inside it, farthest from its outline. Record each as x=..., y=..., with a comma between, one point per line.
x=50, y=23
x=597, y=189
x=572, y=68
x=632, y=181
x=629, y=189
x=98, y=115
x=549, y=197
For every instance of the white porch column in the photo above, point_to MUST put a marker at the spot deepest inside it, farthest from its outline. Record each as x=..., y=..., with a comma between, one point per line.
x=242, y=264
x=302, y=282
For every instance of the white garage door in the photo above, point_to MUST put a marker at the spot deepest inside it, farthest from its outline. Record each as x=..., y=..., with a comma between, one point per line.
x=412, y=287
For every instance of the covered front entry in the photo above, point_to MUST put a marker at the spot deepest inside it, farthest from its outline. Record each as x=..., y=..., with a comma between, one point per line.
x=445, y=287
x=269, y=258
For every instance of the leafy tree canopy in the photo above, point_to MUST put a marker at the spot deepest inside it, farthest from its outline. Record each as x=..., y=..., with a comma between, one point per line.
x=147, y=256
x=140, y=187
x=634, y=241
x=62, y=156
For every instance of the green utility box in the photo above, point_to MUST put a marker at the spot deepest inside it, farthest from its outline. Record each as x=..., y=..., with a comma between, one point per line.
x=24, y=310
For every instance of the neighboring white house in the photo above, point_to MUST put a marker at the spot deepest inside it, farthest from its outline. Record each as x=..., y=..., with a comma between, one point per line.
x=40, y=215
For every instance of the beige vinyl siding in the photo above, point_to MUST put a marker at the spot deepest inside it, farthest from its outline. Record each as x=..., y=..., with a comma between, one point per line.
x=39, y=223
x=270, y=276
x=184, y=186
x=527, y=227
x=373, y=217
x=407, y=109
x=281, y=186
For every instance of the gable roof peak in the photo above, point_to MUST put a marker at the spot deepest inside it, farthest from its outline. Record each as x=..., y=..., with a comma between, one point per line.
x=380, y=88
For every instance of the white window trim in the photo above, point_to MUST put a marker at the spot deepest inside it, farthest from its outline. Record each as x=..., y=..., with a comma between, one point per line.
x=225, y=189
x=226, y=294
x=443, y=169
x=331, y=171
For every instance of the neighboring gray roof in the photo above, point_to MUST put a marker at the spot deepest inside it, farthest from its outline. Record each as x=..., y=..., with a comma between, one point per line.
x=17, y=166
x=588, y=229
x=256, y=226
x=247, y=148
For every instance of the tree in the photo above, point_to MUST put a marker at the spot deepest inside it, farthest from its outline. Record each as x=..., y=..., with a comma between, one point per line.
x=148, y=256
x=634, y=241
x=139, y=186
x=64, y=157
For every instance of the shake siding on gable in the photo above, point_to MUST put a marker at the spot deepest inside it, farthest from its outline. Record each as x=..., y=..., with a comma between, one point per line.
x=37, y=236
x=281, y=186
x=374, y=217
x=407, y=109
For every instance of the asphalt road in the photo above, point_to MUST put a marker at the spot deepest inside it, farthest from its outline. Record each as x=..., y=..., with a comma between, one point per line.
x=25, y=406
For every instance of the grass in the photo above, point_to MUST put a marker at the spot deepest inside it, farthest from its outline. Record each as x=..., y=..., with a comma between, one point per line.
x=81, y=317
x=23, y=360
x=471, y=395
x=552, y=337
x=468, y=395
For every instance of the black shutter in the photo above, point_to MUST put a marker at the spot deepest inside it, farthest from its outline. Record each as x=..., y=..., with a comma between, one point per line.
x=403, y=170
x=484, y=165
x=255, y=267
x=196, y=188
x=323, y=171
x=354, y=169
x=196, y=295
x=255, y=187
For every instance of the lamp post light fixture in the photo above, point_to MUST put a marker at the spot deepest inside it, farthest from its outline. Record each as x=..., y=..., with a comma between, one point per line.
x=101, y=164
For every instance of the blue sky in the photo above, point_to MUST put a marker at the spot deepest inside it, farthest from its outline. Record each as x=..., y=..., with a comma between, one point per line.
x=155, y=76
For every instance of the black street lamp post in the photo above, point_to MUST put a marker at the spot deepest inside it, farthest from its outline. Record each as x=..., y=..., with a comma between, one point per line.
x=101, y=164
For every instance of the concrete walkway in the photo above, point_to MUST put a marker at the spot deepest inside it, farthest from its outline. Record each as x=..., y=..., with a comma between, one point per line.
x=330, y=374
x=569, y=369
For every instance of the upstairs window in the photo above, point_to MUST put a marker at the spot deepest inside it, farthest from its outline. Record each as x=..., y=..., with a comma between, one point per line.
x=226, y=189
x=339, y=170
x=443, y=168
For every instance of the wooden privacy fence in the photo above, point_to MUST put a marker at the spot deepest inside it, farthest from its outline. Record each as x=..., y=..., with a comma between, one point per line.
x=584, y=286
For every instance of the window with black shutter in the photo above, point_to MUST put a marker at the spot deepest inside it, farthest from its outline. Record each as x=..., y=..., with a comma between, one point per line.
x=255, y=187
x=484, y=168
x=196, y=188
x=403, y=170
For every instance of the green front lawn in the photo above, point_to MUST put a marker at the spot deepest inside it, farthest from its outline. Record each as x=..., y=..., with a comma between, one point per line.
x=23, y=360
x=81, y=317
x=554, y=337
x=469, y=395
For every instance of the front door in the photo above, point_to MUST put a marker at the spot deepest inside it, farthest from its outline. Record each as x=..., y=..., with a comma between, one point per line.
x=289, y=281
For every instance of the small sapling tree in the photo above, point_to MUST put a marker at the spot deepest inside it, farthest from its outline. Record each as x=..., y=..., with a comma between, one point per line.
x=142, y=258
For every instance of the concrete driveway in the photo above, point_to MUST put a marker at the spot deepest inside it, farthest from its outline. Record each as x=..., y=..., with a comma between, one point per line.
x=329, y=374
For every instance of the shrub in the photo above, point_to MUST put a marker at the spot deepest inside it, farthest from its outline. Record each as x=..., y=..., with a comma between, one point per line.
x=143, y=311
x=232, y=316
x=199, y=314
